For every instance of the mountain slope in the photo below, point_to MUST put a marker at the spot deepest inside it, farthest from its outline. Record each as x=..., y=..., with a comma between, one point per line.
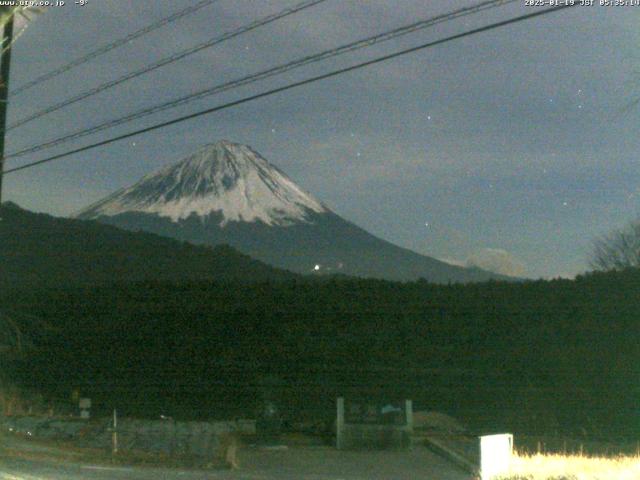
x=227, y=193
x=40, y=250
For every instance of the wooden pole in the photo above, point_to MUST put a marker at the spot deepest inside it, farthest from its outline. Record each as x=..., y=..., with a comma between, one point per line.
x=5, y=63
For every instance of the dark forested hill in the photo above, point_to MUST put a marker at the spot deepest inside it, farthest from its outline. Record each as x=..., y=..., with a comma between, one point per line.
x=40, y=250
x=536, y=357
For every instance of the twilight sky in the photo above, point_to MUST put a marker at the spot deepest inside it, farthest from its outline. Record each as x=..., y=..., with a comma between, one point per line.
x=513, y=147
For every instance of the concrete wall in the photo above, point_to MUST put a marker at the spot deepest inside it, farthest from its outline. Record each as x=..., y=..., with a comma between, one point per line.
x=365, y=437
x=197, y=439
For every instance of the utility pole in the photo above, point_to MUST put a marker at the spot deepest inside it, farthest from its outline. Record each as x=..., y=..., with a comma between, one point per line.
x=5, y=63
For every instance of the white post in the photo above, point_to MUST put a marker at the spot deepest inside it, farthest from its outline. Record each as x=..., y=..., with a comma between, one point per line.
x=408, y=408
x=114, y=435
x=340, y=423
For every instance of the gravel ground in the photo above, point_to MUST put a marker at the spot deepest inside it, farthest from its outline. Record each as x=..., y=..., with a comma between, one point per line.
x=293, y=463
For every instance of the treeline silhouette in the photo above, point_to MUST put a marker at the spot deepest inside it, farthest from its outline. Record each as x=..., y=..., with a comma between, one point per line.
x=535, y=357
x=39, y=251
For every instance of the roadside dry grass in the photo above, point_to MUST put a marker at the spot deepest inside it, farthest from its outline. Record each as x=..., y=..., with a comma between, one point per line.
x=573, y=467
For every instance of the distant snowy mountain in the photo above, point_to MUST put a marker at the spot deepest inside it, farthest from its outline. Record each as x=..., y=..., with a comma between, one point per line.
x=226, y=178
x=226, y=193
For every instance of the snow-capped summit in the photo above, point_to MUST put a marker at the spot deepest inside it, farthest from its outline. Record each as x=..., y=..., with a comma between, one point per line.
x=224, y=178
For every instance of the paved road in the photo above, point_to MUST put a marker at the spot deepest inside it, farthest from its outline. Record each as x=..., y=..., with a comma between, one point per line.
x=298, y=463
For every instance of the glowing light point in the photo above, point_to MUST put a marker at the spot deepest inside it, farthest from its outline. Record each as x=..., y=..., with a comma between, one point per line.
x=316, y=268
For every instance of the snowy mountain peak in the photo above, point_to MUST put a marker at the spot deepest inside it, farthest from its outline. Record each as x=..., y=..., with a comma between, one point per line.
x=225, y=178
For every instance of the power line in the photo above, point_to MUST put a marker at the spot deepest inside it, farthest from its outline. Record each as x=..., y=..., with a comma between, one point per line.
x=167, y=60
x=293, y=85
x=307, y=60
x=113, y=45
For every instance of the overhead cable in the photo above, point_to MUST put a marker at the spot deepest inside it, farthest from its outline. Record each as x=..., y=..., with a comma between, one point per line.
x=290, y=86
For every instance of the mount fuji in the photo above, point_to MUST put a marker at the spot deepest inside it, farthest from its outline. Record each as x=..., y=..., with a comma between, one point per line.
x=226, y=193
